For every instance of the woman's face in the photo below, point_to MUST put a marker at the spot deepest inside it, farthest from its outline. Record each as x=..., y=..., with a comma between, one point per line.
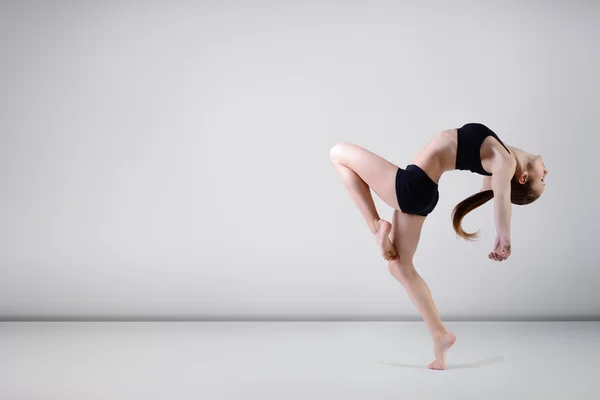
x=536, y=173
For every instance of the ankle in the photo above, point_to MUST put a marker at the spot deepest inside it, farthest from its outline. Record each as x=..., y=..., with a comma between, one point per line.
x=440, y=333
x=375, y=226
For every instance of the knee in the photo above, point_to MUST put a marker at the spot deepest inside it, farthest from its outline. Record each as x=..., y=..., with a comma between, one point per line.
x=402, y=270
x=335, y=153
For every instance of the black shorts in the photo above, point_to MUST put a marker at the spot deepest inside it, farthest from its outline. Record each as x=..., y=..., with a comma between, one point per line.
x=416, y=192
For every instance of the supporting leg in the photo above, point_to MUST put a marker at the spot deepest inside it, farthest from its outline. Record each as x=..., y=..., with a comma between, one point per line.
x=406, y=233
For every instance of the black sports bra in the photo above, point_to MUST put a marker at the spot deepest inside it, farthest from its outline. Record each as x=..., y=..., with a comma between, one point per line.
x=470, y=137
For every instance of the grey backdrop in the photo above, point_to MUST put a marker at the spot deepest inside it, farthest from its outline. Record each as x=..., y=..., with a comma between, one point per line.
x=172, y=161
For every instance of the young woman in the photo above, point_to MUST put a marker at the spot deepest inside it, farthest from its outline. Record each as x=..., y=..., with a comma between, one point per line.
x=511, y=175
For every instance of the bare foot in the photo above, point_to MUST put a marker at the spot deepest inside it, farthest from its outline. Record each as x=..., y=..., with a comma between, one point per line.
x=441, y=345
x=382, y=236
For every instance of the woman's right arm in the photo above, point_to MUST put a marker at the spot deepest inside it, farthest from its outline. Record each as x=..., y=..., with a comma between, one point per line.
x=486, y=184
x=500, y=184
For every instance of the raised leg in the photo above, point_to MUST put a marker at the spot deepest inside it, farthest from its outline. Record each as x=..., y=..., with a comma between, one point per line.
x=361, y=171
x=405, y=235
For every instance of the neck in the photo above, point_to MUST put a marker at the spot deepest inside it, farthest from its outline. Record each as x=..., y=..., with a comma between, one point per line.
x=522, y=158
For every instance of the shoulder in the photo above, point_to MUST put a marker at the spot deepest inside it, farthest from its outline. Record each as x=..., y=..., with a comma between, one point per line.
x=503, y=164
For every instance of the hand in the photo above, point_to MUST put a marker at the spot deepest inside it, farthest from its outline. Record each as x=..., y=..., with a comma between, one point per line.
x=501, y=250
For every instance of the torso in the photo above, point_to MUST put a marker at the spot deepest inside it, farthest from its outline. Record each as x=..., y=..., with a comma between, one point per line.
x=439, y=155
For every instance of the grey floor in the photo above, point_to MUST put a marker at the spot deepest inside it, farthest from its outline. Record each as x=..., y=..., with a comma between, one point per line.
x=295, y=360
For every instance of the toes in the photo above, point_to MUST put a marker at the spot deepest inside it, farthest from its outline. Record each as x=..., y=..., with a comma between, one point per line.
x=437, y=365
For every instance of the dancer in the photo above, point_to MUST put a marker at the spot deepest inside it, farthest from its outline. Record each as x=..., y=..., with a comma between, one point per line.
x=510, y=175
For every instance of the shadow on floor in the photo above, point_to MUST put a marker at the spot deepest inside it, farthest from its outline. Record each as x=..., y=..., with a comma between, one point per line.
x=476, y=364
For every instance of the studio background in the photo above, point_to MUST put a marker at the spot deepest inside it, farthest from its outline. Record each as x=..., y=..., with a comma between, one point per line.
x=171, y=161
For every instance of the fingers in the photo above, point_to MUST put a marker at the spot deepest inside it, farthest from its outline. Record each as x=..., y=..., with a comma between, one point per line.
x=499, y=256
x=501, y=250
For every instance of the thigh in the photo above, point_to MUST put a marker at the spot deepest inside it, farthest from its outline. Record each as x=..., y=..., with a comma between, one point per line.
x=405, y=235
x=377, y=172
